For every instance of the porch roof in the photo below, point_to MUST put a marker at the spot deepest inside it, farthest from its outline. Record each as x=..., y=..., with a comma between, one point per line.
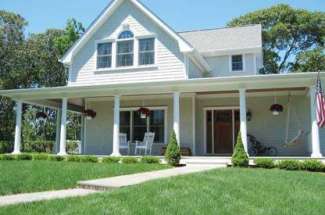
x=258, y=82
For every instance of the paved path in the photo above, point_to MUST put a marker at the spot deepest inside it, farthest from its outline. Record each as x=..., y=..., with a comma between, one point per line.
x=127, y=180
x=93, y=186
x=41, y=196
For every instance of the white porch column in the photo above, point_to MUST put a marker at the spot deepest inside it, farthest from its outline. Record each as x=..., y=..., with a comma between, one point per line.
x=315, y=143
x=57, y=133
x=176, y=97
x=63, y=132
x=243, y=122
x=116, y=131
x=17, y=145
x=194, y=124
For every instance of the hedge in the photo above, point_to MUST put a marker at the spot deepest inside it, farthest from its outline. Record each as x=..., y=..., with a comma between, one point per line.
x=129, y=160
x=111, y=160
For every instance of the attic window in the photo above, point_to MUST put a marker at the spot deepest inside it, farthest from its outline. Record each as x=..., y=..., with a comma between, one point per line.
x=126, y=35
x=237, y=63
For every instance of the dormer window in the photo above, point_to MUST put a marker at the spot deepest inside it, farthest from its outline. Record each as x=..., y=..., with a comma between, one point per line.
x=146, y=51
x=125, y=49
x=237, y=63
x=104, y=55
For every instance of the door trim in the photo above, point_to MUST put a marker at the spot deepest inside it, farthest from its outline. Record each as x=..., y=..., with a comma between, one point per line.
x=205, y=109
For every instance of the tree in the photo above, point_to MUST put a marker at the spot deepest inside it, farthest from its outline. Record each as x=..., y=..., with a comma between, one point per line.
x=287, y=32
x=310, y=61
x=173, y=154
x=239, y=157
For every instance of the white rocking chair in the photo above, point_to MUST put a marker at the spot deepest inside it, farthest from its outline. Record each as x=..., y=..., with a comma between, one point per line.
x=146, y=144
x=124, y=143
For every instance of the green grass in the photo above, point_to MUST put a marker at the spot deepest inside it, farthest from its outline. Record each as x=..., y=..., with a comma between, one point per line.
x=225, y=191
x=32, y=176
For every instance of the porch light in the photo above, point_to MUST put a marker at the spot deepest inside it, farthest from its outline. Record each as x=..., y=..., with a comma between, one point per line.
x=276, y=108
x=249, y=115
x=89, y=114
x=144, y=112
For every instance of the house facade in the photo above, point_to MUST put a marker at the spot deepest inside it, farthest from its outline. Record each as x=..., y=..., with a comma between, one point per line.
x=204, y=85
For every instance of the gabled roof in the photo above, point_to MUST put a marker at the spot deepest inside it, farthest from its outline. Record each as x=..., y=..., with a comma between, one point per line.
x=218, y=40
x=106, y=13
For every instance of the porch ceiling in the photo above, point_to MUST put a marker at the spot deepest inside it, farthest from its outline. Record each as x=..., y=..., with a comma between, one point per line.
x=296, y=81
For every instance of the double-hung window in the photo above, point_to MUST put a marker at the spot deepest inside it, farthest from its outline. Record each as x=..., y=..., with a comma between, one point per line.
x=125, y=49
x=146, y=51
x=237, y=63
x=104, y=55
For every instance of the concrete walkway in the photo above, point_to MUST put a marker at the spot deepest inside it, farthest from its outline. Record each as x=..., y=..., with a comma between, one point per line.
x=41, y=196
x=93, y=186
x=127, y=180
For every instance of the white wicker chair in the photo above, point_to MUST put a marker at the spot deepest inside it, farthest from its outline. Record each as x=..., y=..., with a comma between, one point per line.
x=124, y=143
x=146, y=144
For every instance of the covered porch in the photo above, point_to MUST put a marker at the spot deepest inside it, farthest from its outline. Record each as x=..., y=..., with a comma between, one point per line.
x=206, y=114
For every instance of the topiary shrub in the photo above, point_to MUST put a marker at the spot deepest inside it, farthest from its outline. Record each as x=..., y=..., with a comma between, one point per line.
x=129, y=160
x=23, y=157
x=173, y=152
x=266, y=163
x=88, y=159
x=6, y=147
x=40, y=156
x=150, y=160
x=56, y=158
x=239, y=157
x=290, y=165
x=312, y=165
x=7, y=157
x=111, y=160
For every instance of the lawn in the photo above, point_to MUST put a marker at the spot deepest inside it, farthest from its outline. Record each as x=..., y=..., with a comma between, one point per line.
x=32, y=176
x=225, y=191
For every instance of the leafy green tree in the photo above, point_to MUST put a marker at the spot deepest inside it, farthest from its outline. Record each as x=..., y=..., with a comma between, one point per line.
x=287, y=32
x=310, y=61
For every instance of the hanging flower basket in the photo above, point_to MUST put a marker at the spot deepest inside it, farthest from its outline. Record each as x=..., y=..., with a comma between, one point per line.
x=144, y=112
x=41, y=115
x=89, y=114
x=276, y=109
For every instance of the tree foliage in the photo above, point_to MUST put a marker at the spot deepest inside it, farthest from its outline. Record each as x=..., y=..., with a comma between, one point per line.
x=287, y=33
x=32, y=63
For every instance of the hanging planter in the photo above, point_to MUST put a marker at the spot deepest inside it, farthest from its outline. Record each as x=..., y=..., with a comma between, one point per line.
x=89, y=114
x=144, y=112
x=41, y=115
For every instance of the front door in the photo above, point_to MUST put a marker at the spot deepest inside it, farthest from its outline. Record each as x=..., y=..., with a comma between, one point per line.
x=222, y=127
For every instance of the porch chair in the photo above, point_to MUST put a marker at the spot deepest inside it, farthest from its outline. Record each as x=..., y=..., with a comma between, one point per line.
x=146, y=144
x=124, y=143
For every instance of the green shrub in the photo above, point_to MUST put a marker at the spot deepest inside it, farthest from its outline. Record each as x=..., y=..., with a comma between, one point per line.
x=129, y=160
x=150, y=159
x=111, y=159
x=72, y=146
x=290, y=165
x=56, y=158
x=74, y=158
x=266, y=163
x=40, y=146
x=23, y=157
x=90, y=159
x=7, y=157
x=173, y=153
x=6, y=147
x=312, y=165
x=40, y=156
x=239, y=157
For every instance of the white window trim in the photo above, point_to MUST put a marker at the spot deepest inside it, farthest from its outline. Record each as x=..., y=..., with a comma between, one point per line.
x=230, y=63
x=96, y=52
x=136, y=66
x=164, y=108
x=154, y=50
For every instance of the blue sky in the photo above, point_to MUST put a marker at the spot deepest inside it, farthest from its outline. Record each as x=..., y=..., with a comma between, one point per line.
x=182, y=15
